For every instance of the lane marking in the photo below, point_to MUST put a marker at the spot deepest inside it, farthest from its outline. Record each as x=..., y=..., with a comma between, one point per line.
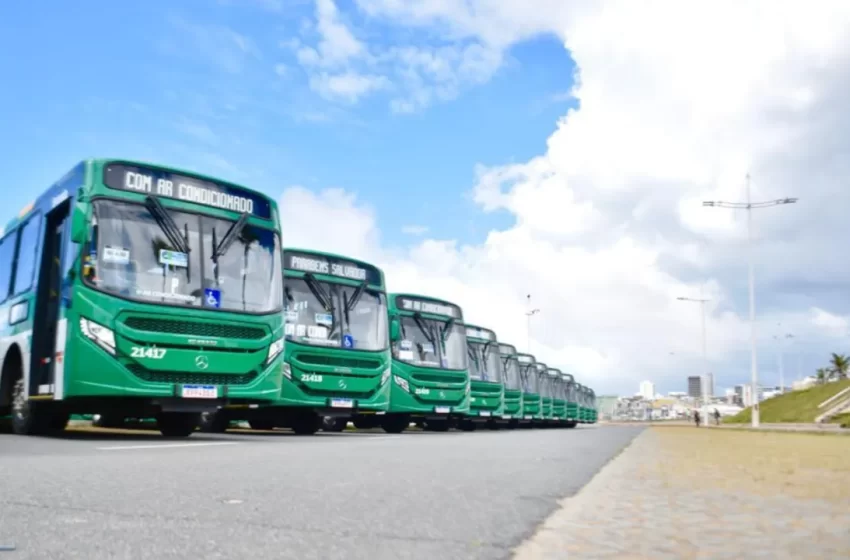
x=167, y=445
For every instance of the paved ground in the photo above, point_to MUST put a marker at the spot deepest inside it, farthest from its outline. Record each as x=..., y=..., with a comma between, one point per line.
x=348, y=496
x=685, y=493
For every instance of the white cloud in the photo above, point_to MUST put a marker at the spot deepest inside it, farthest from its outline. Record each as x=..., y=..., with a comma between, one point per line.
x=677, y=102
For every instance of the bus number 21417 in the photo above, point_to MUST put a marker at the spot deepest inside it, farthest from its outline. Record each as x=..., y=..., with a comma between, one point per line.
x=154, y=353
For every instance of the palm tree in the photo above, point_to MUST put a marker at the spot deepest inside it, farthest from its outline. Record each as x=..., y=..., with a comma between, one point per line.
x=822, y=375
x=840, y=365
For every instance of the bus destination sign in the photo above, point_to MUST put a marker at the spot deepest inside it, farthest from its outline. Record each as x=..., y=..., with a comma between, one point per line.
x=158, y=182
x=484, y=334
x=427, y=306
x=331, y=266
x=525, y=359
x=506, y=350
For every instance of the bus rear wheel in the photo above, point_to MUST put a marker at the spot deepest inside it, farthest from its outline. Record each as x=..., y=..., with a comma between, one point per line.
x=32, y=418
x=331, y=424
x=177, y=424
x=395, y=423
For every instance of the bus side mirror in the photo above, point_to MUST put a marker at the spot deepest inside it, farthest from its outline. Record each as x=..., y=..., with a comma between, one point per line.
x=395, y=333
x=79, y=224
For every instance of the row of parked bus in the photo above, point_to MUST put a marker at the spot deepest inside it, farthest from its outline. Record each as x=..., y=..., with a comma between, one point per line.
x=131, y=290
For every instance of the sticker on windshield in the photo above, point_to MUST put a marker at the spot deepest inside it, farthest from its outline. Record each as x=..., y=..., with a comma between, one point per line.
x=212, y=298
x=300, y=330
x=173, y=258
x=347, y=341
x=316, y=331
x=427, y=348
x=289, y=329
x=444, y=362
x=405, y=355
x=406, y=345
x=117, y=255
x=291, y=316
x=324, y=319
x=165, y=295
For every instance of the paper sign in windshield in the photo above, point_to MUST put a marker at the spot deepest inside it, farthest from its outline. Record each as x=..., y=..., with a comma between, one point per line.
x=117, y=255
x=173, y=258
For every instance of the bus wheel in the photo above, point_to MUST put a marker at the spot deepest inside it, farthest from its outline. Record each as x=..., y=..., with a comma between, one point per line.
x=395, y=423
x=30, y=418
x=331, y=424
x=306, y=424
x=467, y=425
x=214, y=423
x=177, y=424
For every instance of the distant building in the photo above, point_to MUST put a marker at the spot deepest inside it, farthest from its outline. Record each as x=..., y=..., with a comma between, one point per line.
x=647, y=390
x=709, y=385
x=695, y=386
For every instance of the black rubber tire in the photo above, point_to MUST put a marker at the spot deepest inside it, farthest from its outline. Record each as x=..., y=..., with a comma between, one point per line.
x=437, y=425
x=306, y=424
x=213, y=423
x=34, y=418
x=395, y=423
x=331, y=424
x=177, y=424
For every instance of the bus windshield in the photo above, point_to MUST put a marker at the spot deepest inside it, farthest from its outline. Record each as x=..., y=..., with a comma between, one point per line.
x=528, y=375
x=510, y=372
x=544, y=383
x=483, y=360
x=332, y=314
x=133, y=253
x=431, y=343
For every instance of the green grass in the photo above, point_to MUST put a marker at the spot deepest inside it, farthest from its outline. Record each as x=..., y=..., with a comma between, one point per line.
x=796, y=407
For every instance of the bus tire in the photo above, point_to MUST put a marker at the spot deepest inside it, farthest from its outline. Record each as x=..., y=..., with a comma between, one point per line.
x=213, y=423
x=331, y=424
x=306, y=424
x=467, y=425
x=177, y=424
x=395, y=424
x=33, y=418
x=437, y=425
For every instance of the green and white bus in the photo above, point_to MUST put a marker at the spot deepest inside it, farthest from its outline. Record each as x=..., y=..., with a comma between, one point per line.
x=594, y=412
x=530, y=390
x=559, y=403
x=512, y=410
x=485, y=373
x=430, y=377
x=130, y=289
x=581, y=395
x=545, y=384
x=337, y=357
x=572, y=400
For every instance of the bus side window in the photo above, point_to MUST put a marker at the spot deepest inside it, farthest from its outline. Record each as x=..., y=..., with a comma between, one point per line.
x=26, y=261
x=7, y=254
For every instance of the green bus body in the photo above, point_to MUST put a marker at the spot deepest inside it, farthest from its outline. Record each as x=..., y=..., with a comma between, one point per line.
x=572, y=400
x=545, y=393
x=512, y=407
x=487, y=390
x=337, y=355
x=582, y=408
x=559, y=402
x=138, y=290
x=531, y=409
x=594, y=413
x=430, y=377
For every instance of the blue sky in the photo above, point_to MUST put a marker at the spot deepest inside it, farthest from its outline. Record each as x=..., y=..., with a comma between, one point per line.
x=216, y=87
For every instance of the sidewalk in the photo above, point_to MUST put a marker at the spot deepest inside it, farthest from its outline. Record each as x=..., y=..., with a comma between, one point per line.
x=763, y=427
x=683, y=493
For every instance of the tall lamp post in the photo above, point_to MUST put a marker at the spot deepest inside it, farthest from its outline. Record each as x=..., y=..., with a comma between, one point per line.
x=704, y=384
x=780, y=340
x=749, y=205
x=530, y=313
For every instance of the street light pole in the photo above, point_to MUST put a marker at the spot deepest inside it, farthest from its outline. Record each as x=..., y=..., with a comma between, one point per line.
x=531, y=312
x=704, y=384
x=749, y=206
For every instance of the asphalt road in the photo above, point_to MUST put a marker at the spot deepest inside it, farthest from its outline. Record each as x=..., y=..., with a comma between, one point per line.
x=349, y=496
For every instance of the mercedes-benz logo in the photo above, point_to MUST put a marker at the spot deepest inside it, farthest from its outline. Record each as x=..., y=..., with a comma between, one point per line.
x=342, y=384
x=442, y=395
x=202, y=362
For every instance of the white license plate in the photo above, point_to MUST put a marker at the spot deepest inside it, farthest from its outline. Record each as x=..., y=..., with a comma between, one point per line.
x=528, y=417
x=506, y=417
x=342, y=403
x=484, y=413
x=200, y=392
x=442, y=409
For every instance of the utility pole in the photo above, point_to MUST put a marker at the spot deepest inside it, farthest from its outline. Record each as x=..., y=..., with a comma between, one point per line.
x=529, y=314
x=749, y=206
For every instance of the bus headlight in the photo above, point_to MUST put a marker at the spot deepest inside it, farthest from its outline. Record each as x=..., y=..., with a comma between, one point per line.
x=386, y=376
x=101, y=336
x=401, y=382
x=275, y=348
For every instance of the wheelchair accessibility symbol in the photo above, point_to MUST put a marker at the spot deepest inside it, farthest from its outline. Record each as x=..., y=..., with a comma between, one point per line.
x=212, y=298
x=348, y=341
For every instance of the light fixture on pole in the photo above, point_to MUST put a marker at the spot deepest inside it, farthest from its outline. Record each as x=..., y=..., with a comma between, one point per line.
x=530, y=313
x=749, y=206
x=704, y=384
x=780, y=339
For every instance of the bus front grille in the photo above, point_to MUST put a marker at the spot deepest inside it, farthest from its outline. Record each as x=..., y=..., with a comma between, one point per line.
x=194, y=328
x=338, y=361
x=188, y=378
x=442, y=377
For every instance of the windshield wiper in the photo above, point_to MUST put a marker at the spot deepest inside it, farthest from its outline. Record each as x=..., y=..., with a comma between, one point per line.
x=349, y=304
x=445, y=329
x=428, y=334
x=166, y=224
x=229, y=237
x=325, y=299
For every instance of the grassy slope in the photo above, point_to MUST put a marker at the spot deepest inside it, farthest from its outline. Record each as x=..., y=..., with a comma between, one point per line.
x=793, y=407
